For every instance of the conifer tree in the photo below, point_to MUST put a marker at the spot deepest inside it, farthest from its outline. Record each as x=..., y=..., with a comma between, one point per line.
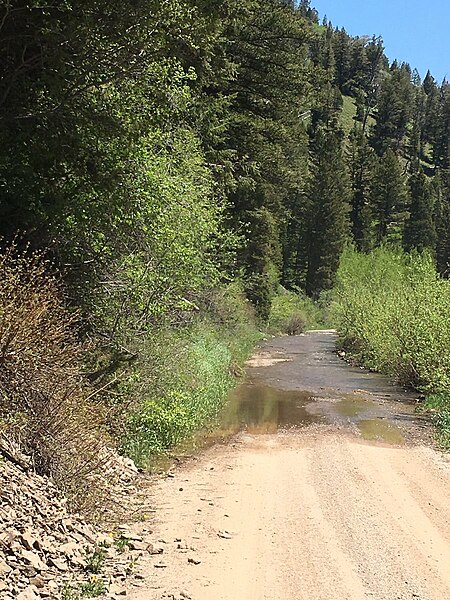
x=328, y=207
x=418, y=116
x=388, y=198
x=268, y=48
x=361, y=163
x=342, y=54
x=441, y=149
x=441, y=191
x=430, y=109
x=419, y=231
x=307, y=12
x=370, y=78
x=393, y=109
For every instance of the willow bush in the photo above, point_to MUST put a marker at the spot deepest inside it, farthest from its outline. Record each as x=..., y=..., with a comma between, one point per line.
x=392, y=313
x=391, y=309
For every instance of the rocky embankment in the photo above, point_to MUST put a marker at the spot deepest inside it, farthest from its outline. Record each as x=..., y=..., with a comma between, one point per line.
x=48, y=553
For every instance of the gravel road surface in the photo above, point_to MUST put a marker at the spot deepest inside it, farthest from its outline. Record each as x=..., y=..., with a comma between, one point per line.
x=330, y=490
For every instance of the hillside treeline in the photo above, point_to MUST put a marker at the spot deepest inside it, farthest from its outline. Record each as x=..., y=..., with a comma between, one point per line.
x=172, y=159
x=201, y=140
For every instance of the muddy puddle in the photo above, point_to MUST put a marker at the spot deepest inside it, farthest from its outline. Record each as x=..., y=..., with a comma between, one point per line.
x=295, y=382
x=260, y=409
x=264, y=409
x=376, y=429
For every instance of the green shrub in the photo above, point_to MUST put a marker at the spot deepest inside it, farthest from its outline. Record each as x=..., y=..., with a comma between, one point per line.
x=293, y=313
x=391, y=310
x=186, y=375
x=89, y=589
x=438, y=405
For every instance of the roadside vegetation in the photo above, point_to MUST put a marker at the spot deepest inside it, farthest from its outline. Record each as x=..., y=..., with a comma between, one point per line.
x=177, y=177
x=293, y=313
x=186, y=377
x=392, y=313
x=52, y=407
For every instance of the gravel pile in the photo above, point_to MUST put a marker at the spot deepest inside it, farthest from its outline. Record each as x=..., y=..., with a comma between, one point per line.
x=48, y=553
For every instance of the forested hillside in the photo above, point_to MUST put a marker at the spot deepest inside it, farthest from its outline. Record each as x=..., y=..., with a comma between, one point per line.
x=173, y=164
x=215, y=126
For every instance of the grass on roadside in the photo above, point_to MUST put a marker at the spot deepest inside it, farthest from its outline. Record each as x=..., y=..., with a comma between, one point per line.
x=187, y=378
x=438, y=405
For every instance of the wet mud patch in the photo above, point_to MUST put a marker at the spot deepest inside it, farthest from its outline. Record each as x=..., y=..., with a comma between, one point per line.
x=258, y=408
x=264, y=409
x=352, y=406
x=267, y=359
x=379, y=430
x=299, y=382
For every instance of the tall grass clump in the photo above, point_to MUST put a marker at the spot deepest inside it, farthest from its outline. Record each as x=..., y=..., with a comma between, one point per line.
x=47, y=412
x=392, y=313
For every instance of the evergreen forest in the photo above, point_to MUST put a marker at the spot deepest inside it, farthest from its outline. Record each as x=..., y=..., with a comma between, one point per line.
x=171, y=173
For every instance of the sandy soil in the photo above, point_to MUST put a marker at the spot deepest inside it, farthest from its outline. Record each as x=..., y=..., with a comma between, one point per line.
x=314, y=516
x=310, y=514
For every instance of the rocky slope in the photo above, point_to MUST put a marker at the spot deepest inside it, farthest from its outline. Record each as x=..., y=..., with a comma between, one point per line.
x=48, y=553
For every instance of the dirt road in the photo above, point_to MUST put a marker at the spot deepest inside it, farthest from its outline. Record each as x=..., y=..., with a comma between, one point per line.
x=350, y=503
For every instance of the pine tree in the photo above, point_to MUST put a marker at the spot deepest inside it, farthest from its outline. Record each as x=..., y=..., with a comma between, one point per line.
x=369, y=80
x=393, y=109
x=420, y=231
x=264, y=135
x=441, y=185
x=441, y=147
x=307, y=12
x=431, y=111
x=328, y=208
x=388, y=198
x=342, y=54
x=417, y=125
x=361, y=163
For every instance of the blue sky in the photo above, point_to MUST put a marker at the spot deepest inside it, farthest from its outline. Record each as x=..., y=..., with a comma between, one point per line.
x=417, y=32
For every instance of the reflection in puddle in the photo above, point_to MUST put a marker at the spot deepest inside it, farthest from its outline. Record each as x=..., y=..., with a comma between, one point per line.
x=263, y=409
x=352, y=406
x=260, y=409
x=376, y=429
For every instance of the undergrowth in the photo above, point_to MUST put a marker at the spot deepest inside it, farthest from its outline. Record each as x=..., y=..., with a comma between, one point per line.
x=391, y=310
x=47, y=409
x=438, y=405
x=187, y=375
x=69, y=421
x=293, y=313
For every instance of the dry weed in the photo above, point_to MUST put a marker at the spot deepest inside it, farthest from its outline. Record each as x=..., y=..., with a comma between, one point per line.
x=46, y=408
